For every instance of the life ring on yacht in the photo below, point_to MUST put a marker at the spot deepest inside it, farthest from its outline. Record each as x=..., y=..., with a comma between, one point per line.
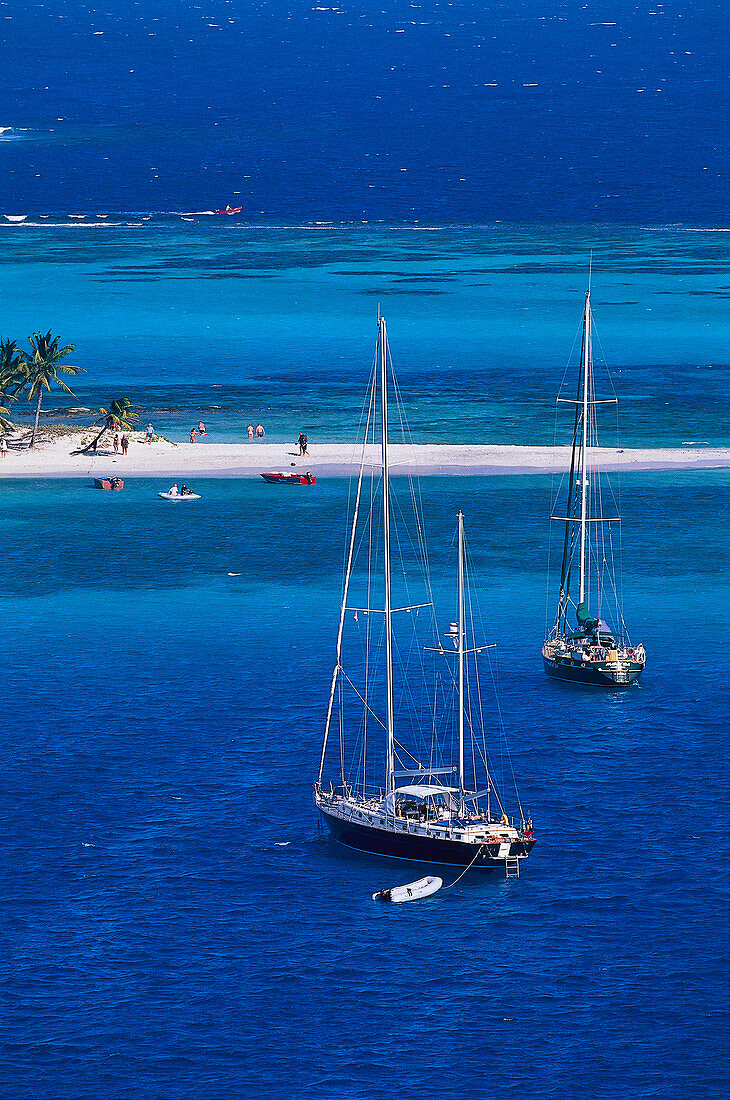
x=630, y=652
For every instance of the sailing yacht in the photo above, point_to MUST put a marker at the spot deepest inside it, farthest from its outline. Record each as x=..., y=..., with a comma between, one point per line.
x=591, y=651
x=404, y=770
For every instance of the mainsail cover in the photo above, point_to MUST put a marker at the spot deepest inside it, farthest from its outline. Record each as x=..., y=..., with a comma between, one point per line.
x=585, y=620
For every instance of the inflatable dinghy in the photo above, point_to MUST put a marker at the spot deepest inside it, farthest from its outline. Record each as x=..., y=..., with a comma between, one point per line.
x=179, y=496
x=412, y=891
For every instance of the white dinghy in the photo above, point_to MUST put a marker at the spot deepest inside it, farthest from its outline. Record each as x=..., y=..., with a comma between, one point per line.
x=176, y=494
x=412, y=891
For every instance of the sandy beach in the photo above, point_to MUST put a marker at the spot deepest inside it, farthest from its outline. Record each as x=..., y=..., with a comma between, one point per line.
x=185, y=460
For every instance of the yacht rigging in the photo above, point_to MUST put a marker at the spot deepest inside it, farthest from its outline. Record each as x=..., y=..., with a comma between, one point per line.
x=404, y=770
x=592, y=651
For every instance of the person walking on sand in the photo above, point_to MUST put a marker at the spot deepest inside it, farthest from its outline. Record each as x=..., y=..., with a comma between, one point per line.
x=116, y=443
x=304, y=445
x=300, y=442
x=150, y=432
x=249, y=429
x=125, y=443
x=3, y=446
x=193, y=436
x=260, y=433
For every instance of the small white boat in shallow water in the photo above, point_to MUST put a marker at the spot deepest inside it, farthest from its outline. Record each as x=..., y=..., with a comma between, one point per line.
x=179, y=496
x=412, y=891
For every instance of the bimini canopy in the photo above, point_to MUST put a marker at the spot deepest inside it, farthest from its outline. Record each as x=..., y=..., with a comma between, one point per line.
x=418, y=791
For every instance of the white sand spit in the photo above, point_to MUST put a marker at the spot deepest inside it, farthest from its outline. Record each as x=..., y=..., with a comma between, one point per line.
x=185, y=460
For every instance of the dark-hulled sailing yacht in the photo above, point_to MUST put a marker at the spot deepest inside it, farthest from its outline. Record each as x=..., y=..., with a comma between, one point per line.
x=404, y=770
x=582, y=647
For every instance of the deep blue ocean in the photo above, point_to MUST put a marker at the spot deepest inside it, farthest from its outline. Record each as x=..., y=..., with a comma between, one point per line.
x=173, y=922
x=414, y=110
x=176, y=925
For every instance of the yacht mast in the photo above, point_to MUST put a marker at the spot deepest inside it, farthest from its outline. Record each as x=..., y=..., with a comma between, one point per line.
x=462, y=624
x=584, y=445
x=390, y=762
x=343, y=606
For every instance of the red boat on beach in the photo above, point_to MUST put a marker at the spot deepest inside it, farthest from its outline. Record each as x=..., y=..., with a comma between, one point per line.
x=278, y=477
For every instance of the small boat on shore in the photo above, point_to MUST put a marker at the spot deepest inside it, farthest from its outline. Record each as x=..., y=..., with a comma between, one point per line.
x=278, y=477
x=412, y=891
x=108, y=483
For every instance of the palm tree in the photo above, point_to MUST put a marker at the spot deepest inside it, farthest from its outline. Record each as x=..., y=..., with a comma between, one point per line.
x=121, y=415
x=11, y=379
x=42, y=368
x=5, y=421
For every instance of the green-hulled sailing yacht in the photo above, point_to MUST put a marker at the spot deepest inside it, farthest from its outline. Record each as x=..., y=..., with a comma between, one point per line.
x=589, y=641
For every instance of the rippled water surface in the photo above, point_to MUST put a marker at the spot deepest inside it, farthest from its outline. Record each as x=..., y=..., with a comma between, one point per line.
x=237, y=325
x=176, y=925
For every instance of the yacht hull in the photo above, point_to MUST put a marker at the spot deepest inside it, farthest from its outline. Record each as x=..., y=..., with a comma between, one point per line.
x=593, y=673
x=421, y=849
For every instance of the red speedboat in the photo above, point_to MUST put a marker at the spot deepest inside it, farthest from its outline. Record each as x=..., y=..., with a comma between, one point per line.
x=278, y=477
x=230, y=210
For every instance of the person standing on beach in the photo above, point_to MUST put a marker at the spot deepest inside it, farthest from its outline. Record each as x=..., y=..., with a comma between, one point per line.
x=193, y=436
x=3, y=446
x=116, y=443
x=150, y=432
x=125, y=443
x=260, y=433
x=300, y=442
x=249, y=429
x=304, y=445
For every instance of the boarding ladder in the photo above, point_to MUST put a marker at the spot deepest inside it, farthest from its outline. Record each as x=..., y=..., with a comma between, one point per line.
x=512, y=866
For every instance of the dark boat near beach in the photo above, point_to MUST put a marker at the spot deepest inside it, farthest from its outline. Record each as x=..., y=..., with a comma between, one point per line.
x=108, y=483
x=592, y=651
x=404, y=768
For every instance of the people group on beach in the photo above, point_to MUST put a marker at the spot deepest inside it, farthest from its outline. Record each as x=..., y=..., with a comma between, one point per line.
x=195, y=432
x=120, y=442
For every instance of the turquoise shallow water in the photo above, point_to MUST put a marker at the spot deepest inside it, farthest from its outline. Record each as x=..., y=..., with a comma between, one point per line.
x=174, y=922
x=236, y=324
